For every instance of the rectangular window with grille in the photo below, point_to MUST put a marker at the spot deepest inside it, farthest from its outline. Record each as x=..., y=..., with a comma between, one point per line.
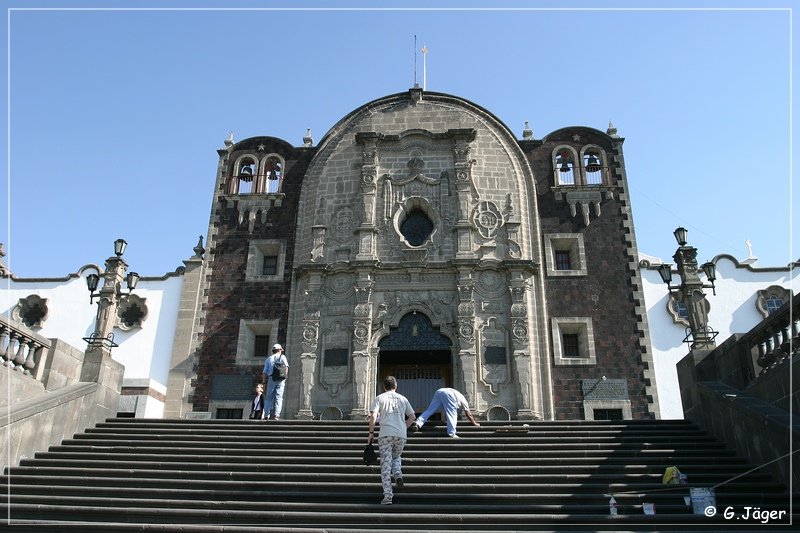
x=563, y=260
x=262, y=348
x=607, y=414
x=270, y=266
x=570, y=345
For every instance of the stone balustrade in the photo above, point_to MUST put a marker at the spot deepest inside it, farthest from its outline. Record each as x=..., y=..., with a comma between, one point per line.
x=22, y=349
x=777, y=337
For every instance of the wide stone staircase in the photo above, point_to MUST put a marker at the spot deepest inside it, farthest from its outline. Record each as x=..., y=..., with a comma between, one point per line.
x=309, y=476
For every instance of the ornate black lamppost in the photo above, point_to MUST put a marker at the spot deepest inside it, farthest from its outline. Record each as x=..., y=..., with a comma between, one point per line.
x=109, y=296
x=690, y=291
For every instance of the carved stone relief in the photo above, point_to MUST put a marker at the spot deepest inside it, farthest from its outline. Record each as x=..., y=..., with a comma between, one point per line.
x=339, y=286
x=344, y=223
x=487, y=219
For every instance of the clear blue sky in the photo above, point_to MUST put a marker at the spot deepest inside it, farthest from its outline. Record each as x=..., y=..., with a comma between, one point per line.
x=115, y=116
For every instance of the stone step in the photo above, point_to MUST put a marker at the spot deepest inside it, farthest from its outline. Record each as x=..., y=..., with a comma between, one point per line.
x=418, y=450
x=597, y=484
x=398, y=514
x=366, y=502
x=410, y=492
x=183, y=475
x=479, y=467
x=410, y=458
x=464, y=443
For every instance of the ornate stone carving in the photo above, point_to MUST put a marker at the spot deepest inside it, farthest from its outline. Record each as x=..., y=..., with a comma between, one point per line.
x=415, y=331
x=363, y=294
x=466, y=331
x=310, y=335
x=509, y=211
x=465, y=292
x=344, y=224
x=361, y=334
x=466, y=309
x=519, y=331
x=377, y=320
x=339, y=285
x=369, y=157
x=131, y=312
x=490, y=280
x=487, y=219
x=312, y=303
x=368, y=177
x=31, y=311
x=519, y=310
x=362, y=310
x=584, y=200
x=518, y=294
x=318, y=249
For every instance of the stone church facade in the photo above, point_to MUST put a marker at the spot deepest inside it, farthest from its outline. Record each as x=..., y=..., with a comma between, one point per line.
x=421, y=238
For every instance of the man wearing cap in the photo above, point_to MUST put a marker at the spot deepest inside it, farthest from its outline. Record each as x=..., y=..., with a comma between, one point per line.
x=274, y=399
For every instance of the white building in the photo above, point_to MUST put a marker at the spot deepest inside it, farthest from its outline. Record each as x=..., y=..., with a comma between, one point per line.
x=745, y=294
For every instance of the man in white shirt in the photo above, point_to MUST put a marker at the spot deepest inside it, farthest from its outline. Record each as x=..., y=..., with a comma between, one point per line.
x=450, y=401
x=396, y=415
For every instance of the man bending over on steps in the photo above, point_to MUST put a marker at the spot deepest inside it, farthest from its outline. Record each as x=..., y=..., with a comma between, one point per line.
x=396, y=415
x=450, y=401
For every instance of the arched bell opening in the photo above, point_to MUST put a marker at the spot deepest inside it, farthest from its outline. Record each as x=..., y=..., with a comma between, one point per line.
x=419, y=356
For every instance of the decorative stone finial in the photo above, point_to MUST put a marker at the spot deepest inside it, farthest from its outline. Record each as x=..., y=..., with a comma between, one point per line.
x=199, y=250
x=308, y=140
x=416, y=94
x=612, y=130
x=229, y=140
x=527, y=133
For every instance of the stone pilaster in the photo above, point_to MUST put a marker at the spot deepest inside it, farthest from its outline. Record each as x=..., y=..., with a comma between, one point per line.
x=528, y=403
x=363, y=378
x=466, y=333
x=465, y=191
x=368, y=231
x=310, y=339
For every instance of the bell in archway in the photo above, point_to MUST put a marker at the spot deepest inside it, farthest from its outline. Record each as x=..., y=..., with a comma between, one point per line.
x=246, y=174
x=593, y=164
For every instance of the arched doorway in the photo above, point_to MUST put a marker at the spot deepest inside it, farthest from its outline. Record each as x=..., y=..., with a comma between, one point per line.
x=419, y=356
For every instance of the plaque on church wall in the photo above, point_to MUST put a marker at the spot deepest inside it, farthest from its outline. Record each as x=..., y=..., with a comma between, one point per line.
x=232, y=387
x=609, y=389
x=495, y=355
x=336, y=357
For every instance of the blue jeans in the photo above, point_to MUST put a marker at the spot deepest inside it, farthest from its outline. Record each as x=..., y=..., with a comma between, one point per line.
x=274, y=398
x=442, y=400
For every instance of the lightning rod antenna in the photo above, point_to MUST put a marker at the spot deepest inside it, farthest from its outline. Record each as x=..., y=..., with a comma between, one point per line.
x=415, y=60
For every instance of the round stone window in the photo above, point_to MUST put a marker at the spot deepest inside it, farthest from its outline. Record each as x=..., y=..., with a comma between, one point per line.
x=416, y=227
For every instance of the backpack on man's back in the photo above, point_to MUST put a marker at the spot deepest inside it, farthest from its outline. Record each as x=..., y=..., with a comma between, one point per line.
x=280, y=369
